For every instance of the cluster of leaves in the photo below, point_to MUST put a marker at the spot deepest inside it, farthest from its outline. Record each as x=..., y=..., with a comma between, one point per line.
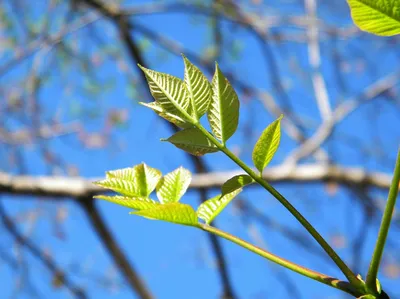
x=183, y=103
x=137, y=183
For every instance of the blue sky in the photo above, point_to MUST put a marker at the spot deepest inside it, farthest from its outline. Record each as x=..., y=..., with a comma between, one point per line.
x=176, y=261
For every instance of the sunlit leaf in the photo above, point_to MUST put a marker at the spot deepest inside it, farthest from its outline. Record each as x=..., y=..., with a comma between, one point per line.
x=192, y=141
x=137, y=203
x=172, y=212
x=223, y=113
x=173, y=185
x=267, y=145
x=381, y=17
x=211, y=208
x=199, y=89
x=175, y=119
x=139, y=180
x=235, y=183
x=169, y=91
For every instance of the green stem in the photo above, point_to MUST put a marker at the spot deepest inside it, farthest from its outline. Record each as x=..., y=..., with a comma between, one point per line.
x=384, y=228
x=321, y=241
x=330, y=281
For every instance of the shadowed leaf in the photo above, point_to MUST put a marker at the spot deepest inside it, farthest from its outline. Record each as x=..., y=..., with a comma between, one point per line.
x=175, y=119
x=192, y=141
x=235, y=183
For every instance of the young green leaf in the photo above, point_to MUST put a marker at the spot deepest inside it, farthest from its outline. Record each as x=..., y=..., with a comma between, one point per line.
x=235, y=183
x=137, y=203
x=172, y=212
x=267, y=145
x=380, y=17
x=199, y=89
x=223, y=114
x=139, y=180
x=192, y=141
x=169, y=91
x=173, y=185
x=211, y=208
x=177, y=119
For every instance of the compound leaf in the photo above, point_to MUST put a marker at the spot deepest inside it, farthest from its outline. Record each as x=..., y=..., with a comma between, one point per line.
x=177, y=119
x=198, y=87
x=267, y=145
x=223, y=114
x=192, y=141
x=235, y=183
x=139, y=180
x=173, y=185
x=211, y=208
x=137, y=203
x=380, y=17
x=171, y=212
x=169, y=91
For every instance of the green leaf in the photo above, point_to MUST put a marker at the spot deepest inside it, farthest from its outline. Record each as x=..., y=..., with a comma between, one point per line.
x=172, y=212
x=223, y=114
x=173, y=185
x=139, y=180
x=211, y=208
x=137, y=203
x=267, y=145
x=192, y=141
x=175, y=119
x=199, y=89
x=235, y=183
x=380, y=17
x=169, y=91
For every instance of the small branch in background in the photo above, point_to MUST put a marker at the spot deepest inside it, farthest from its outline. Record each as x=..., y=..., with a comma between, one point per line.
x=48, y=262
x=314, y=58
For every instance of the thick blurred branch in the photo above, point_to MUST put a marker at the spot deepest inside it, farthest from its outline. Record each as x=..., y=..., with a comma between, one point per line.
x=59, y=187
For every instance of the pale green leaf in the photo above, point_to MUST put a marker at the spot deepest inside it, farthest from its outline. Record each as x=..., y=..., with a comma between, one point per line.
x=223, y=114
x=125, y=187
x=211, y=208
x=192, y=141
x=380, y=17
x=199, y=89
x=137, y=203
x=175, y=119
x=172, y=212
x=235, y=183
x=173, y=185
x=169, y=91
x=139, y=180
x=267, y=145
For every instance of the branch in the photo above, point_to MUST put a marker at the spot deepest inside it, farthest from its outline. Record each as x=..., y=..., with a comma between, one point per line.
x=44, y=258
x=98, y=224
